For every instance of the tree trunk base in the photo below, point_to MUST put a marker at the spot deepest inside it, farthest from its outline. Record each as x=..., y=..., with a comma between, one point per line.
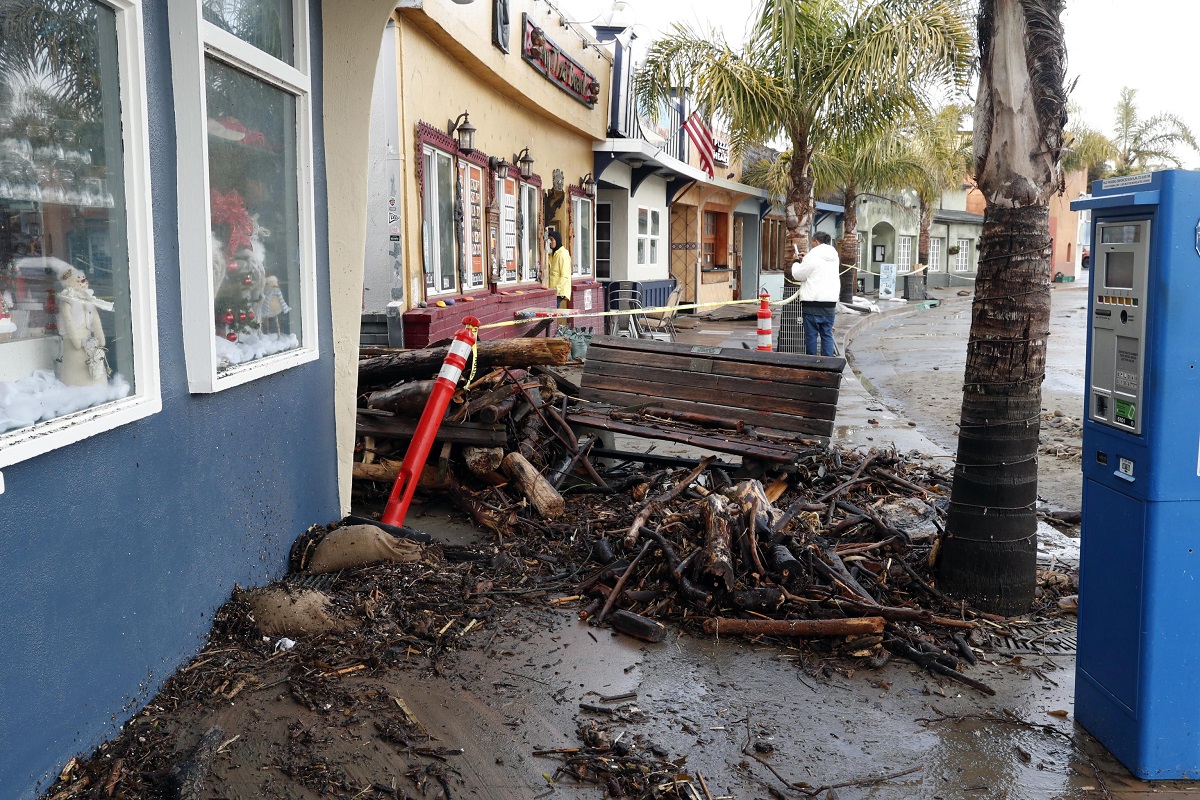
x=992, y=576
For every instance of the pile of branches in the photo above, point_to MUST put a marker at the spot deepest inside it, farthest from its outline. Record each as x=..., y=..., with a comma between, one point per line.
x=504, y=440
x=721, y=557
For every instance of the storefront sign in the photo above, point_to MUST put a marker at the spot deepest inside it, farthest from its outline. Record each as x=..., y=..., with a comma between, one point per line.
x=559, y=68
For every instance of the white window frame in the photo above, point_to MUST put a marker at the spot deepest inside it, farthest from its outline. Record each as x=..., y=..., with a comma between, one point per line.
x=510, y=237
x=431, y=245
x=649, y=245
x=935, y=254
x=26, y=443
x=962, y=259
x=579, y=207
x=528, y=197
x=192, y=40
x=904, y=247
x=466, y=254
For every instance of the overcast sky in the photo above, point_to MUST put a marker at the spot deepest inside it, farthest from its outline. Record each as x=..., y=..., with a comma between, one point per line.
x=1148, y=45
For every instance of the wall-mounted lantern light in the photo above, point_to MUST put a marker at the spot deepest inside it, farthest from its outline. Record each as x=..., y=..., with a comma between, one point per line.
x=464, y=131
x=524, y=163
x=588, y=184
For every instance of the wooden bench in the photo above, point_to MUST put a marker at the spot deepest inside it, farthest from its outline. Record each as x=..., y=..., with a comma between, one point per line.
x=769, y=406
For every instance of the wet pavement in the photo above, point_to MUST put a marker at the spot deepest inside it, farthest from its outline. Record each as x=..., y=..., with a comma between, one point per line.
x=709, y=701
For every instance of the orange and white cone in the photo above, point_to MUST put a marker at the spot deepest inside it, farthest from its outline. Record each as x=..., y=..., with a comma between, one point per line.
x=764, y=322
x=427, y=428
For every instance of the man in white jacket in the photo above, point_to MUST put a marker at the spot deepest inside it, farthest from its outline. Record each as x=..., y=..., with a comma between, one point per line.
x=820, y=287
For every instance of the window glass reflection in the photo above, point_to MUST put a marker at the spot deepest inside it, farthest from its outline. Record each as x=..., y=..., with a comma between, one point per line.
x=66, y=341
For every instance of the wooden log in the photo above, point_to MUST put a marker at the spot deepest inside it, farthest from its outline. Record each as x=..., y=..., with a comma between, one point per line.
x=191, y=774
x=497, y=411
x=636, y=625
x=387, y=469
x=763, y=600
x=544, y=498
x=497, y=520
x=857, y=626
x=787, y=568
x=384, y=425
x=394, y=367
x=716, y=559
x=483, y=460
x=406, y=399
x=703, y=420
x=533, y=438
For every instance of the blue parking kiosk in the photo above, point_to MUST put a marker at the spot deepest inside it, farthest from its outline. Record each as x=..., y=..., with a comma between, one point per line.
x=1137, y=687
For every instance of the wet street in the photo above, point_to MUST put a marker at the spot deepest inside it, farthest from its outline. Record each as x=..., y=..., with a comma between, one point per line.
x=913, y=362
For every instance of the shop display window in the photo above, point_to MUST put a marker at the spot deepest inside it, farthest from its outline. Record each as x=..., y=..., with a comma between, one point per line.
x=530, y=265
x=470, y=178
x=582, y=240
x=250, y=304
x=76, y=307
x=506, y=194
x=437, y=222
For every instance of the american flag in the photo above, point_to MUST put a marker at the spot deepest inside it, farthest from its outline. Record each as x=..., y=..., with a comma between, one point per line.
x=701, y=136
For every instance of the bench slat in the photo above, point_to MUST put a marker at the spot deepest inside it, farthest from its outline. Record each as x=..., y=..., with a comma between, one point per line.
x=737, y=392
x=783, y=422
x=793, y=360
x=765, y=451
x=732, y=394
x=794, y=376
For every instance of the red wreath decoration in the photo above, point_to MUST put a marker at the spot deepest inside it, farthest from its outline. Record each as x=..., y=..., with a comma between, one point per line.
x=229, y=209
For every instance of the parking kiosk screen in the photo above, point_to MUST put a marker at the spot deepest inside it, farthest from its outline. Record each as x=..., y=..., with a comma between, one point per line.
x=1118, y=271
x=1119, y=324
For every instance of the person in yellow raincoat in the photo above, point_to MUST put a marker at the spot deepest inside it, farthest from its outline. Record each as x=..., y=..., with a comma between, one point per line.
x=558, y=268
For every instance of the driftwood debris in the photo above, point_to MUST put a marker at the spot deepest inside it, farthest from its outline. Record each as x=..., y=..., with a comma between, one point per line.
x=859, y=626
x=544, y=498
x=404, y=364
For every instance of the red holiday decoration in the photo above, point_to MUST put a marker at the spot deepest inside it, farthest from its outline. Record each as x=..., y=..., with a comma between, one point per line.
x=228, y=317
x=233, y=266
x=230, y=209
x=248, y=281
x=250, y=315
x=231, y=336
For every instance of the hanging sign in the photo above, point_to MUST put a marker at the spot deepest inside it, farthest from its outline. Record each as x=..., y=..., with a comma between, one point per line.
x=559, y=68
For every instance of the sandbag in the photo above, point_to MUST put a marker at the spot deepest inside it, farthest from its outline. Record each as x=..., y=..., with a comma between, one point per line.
x=359, y=545
x=279, y=611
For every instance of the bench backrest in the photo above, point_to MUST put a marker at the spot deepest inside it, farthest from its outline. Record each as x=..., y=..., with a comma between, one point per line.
x=780, y=391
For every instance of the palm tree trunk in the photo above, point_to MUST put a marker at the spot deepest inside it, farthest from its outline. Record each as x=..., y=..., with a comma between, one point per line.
x=848, y=252
x=989, y=551
x=800, y=198
x=922, y=281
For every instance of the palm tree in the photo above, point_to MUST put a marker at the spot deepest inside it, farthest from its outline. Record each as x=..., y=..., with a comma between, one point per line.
x=1143, y=145
x=849, y=168
x=53, y=44
x=989, y=552
x=812, y=70
x=941, y=151
x=1086, y=148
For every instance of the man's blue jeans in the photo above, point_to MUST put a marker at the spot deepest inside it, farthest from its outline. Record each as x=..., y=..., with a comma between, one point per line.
x=818, y=328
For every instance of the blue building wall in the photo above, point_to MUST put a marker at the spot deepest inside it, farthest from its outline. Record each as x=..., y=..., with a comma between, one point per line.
x=115, y=551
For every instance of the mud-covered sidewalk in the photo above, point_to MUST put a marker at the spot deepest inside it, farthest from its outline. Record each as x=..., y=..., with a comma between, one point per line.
x=469, y=673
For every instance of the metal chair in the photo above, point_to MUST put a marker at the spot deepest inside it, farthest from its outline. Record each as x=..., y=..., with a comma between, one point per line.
x=663, y=322
x=624, y=296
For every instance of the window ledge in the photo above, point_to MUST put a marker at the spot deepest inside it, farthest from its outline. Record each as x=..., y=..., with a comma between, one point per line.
x=23, y=444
